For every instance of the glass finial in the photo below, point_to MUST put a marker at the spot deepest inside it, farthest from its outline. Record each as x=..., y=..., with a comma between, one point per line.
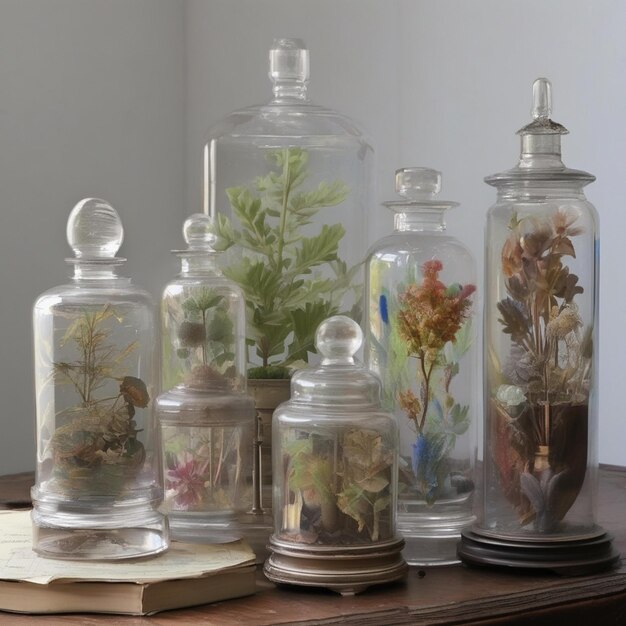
x=289, y=60
x=542, y=99
x=198, y=234
x=94, y=230
x=416, y=182
x=338, y=337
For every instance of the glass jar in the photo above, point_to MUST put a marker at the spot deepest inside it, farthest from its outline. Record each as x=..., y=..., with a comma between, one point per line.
x=335, y=459
x=283, y=181
x=541, y=358
x=98, y=484
x=206, y=418
x=420, y=292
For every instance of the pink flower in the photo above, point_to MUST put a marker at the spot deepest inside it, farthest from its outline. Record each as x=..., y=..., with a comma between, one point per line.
x=187, y=479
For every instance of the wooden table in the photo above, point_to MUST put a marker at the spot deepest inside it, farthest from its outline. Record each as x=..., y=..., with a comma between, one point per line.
x=445, y=595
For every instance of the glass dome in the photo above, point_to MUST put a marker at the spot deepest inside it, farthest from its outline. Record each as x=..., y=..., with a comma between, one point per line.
x=540, y=363
x=288, y=184
x=335, y=474
x=98, y=483
x=420, y=332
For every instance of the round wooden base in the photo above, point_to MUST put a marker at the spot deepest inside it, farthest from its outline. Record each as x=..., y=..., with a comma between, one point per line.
x=345, y=569
x=569, y=558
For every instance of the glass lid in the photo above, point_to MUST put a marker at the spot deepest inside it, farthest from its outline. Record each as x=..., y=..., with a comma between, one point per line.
x=540, y=155
x=339, y=379
x=418, y=187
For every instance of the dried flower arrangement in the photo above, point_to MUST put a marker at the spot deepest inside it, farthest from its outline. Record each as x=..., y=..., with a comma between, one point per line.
x=539, y=411
x=96, y=448
x=338, y=489
x=434, y=323
x=291, y=282
x=204, y=468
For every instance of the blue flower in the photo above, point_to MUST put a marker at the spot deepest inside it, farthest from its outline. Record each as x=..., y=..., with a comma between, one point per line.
x=382, y=307
x=425, y=458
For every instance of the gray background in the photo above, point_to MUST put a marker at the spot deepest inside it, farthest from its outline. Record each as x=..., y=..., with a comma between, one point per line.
x=112, y=98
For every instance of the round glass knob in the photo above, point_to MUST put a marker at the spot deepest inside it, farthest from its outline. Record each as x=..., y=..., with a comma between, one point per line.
x=94, y=229
x=418, y=182
x=338, y=337
x=197, y=232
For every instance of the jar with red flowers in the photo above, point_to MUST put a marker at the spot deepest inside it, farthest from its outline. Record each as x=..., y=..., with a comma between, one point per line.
x=420, y=327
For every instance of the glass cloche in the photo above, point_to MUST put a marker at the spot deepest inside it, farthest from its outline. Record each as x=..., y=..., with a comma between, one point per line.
x=288, y=184
x=420, y=331
x=98, y=483
x=207, y=420
x=335, y=453
x=541, y=364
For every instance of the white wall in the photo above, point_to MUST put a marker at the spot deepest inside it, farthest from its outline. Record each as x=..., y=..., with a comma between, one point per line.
x=112, y=98
x=91, y=104
x=446, y=84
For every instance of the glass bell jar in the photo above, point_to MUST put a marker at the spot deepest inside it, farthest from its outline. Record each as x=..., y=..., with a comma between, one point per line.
x=288, y=184
x=98, y=483
x=540, y=364
x=335, y=453
x=420, y=340
x=206, y=418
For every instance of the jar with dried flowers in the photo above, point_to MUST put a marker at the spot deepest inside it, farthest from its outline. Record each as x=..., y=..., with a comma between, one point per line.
x=335, y=474
x=98, y=483
x=420, y=293
x=540, y=364
x=206, y=418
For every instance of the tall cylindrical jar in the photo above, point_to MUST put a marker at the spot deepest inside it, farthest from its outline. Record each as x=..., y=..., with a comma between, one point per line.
x=541, y=363
x=98, y=484
x=288, y=184
x=420, y=329
x=207, y=421
x=335, y=453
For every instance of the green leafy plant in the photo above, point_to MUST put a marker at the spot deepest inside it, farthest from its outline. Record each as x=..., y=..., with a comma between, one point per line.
x=96, y=449
x=291, y=281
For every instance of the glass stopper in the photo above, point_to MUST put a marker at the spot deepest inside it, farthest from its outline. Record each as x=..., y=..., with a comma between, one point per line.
x=289, y=60
x=416, y=182
x=198, y=234
x=542, y=99
x=94, y=229
x=338, y=337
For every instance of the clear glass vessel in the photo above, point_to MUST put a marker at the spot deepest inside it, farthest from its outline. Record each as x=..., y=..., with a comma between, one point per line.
x=540, y=363
x=420, y=292
x=206, y=418
x=335, y=454
x=98, y=484
x=282, y=182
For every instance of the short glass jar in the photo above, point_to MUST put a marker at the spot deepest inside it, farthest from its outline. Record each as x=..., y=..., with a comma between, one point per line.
x=206, y=418
x=335, y=474
x=420, y=331
x=98, y=483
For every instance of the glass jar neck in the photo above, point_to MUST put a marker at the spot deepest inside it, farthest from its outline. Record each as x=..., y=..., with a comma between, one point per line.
x=199, y=264
x=540, y=151
x=98, y=271
x=289, y=90
x=419, y=220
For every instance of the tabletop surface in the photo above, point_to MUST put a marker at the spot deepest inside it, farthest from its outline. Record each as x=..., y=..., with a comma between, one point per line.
x=439, y=595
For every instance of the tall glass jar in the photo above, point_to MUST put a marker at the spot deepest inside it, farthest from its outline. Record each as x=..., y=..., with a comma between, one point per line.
x=541, y=363
x=98, y=484
x=335, y=453
x=288, y=184
x=206, y=418
x=420, y=292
